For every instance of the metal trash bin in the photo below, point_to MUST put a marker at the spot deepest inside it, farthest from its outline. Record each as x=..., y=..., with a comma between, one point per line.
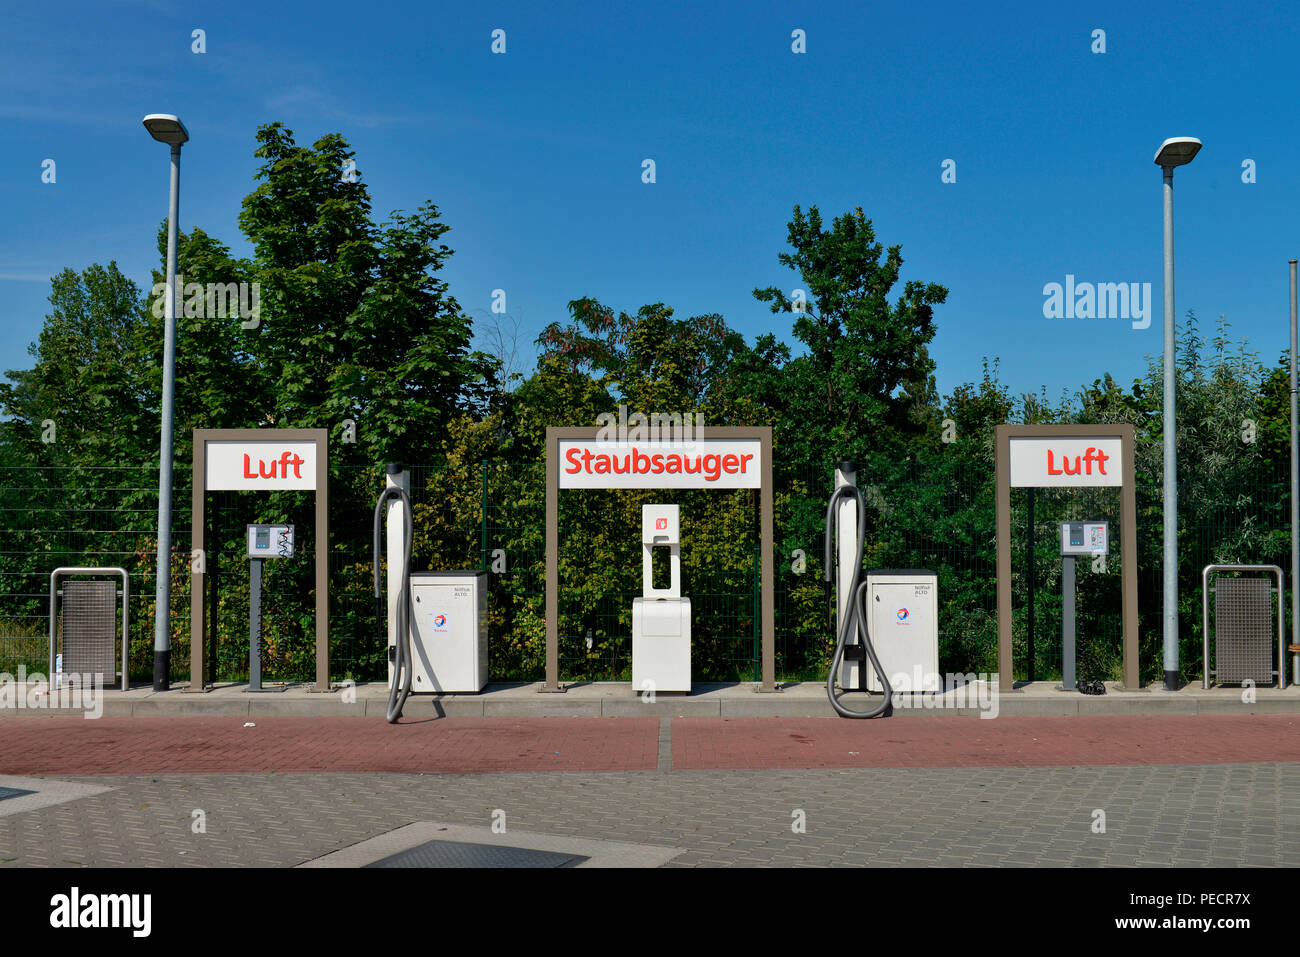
x=1243, y=627
x=90, y=628
x=89, y=624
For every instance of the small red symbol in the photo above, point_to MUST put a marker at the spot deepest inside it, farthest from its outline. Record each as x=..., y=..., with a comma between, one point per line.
x=661, y=523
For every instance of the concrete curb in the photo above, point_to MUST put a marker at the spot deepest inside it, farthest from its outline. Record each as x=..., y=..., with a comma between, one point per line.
x=617, y=699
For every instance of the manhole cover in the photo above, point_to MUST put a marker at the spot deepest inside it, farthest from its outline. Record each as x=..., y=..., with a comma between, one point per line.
x=457, y=854
x=13, y=792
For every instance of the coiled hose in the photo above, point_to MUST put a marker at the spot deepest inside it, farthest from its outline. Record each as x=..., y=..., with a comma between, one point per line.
x=855, y=611
x=402, y=669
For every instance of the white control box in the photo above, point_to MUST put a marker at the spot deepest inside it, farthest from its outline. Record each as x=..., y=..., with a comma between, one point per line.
x=270, y=541
x=448, y=633
x=903, y=610
x=1085, y=538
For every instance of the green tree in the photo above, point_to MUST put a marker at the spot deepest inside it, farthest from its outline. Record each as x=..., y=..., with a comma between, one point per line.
x=654, y=362
x=81, y=379
x=867, y=374
x=355, y=323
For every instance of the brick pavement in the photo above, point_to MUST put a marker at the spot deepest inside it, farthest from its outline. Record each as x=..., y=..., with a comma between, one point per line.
x=73, y=745
x=947, y=791
x=115, y=745
x=1192, y=815
x=944, y=741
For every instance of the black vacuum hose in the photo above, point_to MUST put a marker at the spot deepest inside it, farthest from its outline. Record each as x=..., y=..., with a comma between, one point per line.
x=855, y=611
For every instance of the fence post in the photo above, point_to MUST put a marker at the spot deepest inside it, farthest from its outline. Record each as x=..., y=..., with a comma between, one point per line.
x=483, y=512
x=756, y=648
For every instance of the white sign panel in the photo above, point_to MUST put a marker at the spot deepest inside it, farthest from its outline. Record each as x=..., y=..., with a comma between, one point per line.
x=708, y=463
x=260, y=465
x=1068, y=463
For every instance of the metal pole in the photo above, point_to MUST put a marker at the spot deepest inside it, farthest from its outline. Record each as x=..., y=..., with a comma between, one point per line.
x=395, y=540
x=1029, y=653
x=1067, y=623
x=846, y=537
x=1171, y=454
x=162, y=596
x=1295, y=482
x=214, y=611
x=255, y=624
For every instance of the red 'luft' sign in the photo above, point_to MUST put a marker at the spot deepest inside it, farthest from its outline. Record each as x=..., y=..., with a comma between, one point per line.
x=279, y=468
x=1081, y=463
x=260, y=465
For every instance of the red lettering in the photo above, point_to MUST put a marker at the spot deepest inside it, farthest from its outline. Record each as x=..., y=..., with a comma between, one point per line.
x=744, y=462
x=730, y=464
x=297, y=466
x=261, y=469
x=687, y=461
x=571, y=455
x=640, y=461
x=602, y=460
x=626, y=465
x=247, y=467
x=1101, y=461
x=1065, y=463
x=656, y=464
x=1050, y=470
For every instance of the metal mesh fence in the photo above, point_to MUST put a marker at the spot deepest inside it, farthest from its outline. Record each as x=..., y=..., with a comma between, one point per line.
x=935, y=513
x=85, y=516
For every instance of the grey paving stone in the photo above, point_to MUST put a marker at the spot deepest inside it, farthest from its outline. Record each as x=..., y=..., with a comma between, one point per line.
x=869, y=817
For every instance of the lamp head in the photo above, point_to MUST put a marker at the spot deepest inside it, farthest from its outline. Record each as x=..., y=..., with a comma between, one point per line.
x=166, y=128
x=1177, y=151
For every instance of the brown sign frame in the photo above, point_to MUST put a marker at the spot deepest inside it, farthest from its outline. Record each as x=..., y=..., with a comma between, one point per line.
x=1128, y=537
x=198, y=622
x=763, y=433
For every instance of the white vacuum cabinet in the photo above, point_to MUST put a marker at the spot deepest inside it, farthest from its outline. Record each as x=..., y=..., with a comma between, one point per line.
x=449, y=632
x=904, y=616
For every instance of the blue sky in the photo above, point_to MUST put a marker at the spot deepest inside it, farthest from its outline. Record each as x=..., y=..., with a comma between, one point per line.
x=534, y=156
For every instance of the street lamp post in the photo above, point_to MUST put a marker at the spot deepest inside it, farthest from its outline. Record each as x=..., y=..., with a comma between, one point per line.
x=1295, y=484
x=1177, y=151
x=166, y=128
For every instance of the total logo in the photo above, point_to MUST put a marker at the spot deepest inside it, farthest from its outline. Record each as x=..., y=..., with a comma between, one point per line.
x=902, y=615
x=440, y=622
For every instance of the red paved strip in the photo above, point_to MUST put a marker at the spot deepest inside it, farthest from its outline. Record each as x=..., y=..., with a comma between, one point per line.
x=192, y=745
x=124, y=745
x=942, y=742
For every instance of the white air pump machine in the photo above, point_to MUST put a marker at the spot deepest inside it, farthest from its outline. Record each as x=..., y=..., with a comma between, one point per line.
x=661, y=619
x=435, y=623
